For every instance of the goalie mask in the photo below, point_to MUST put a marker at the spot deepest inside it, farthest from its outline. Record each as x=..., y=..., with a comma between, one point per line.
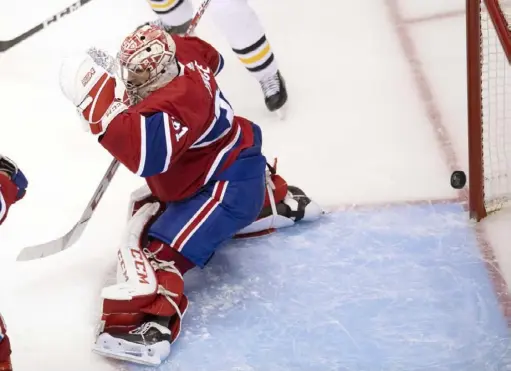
x=147, y=61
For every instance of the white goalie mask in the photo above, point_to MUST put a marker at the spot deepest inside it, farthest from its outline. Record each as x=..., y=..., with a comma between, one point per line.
x=147, y=61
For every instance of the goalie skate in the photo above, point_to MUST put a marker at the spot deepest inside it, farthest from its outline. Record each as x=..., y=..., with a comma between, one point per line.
x=147, y=345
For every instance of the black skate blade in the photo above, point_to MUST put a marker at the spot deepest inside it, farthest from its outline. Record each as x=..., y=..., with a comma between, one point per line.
x=126, y=358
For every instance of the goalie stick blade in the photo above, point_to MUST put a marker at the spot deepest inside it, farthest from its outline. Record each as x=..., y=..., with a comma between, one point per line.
x=62, y=243
x=51, y=247
x=7, y=44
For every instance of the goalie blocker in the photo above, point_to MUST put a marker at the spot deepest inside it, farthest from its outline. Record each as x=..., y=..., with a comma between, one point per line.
x=142, y=313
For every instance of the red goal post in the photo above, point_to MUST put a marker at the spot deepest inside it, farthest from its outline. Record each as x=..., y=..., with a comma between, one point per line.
x=488, y=30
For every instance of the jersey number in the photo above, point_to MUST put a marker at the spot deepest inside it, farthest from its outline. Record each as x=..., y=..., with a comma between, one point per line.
x=179, y=129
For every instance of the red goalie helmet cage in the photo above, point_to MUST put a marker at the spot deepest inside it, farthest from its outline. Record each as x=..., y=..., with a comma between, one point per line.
x=488, y=25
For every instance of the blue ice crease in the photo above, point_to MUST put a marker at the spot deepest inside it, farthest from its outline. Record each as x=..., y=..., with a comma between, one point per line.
x=398, y=288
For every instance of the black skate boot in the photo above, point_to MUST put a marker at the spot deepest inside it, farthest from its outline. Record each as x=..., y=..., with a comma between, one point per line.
x=274, y=90
x=295, y=206
x=178, y=30
x=299, y=206
x=148, y=344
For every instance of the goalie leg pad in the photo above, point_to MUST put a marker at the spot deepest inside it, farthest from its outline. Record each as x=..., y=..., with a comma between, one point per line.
x=139, y=198
x=149, y=344
x=149, y=280
x=142, y=314
x=170, y=268
x=137, y=283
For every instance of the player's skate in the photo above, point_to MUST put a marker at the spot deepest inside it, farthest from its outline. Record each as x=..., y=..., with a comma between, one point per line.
x=275, y=93
x=298, y=206
x=178, y=30
x=283, y=207
x=148, y=344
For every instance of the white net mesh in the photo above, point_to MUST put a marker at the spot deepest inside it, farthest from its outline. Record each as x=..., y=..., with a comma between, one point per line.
x=496, y=106
x=505, y=7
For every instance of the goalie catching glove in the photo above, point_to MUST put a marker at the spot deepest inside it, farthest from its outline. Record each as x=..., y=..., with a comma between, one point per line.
x=88, y=81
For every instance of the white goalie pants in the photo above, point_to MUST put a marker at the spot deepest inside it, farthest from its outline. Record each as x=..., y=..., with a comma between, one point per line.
x=239, y=24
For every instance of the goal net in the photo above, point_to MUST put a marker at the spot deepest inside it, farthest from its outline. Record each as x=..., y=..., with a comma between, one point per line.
x=489, y=104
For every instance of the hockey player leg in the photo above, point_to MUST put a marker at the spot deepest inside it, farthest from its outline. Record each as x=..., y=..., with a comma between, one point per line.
x=243, y=30
x=5, y=348
x=142, y=313
x=284, y=205
x=174, y=15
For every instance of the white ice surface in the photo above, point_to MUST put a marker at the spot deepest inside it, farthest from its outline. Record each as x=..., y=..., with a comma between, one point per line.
x=441, y=48
x=420, y=9
x=395, y=289
x=356, y=132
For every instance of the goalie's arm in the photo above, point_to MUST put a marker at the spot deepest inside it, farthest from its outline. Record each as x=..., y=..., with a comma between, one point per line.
x=146, y=144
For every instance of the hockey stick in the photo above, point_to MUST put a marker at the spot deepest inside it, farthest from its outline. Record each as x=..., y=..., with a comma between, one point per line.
x=62, y=243
x=7, y=44
x=59, y=244
x=196, y=18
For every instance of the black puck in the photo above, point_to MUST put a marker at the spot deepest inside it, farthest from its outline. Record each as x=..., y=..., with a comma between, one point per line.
x=458, y=179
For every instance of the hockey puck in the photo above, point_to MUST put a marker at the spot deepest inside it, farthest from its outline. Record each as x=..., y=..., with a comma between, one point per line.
x=458, y=179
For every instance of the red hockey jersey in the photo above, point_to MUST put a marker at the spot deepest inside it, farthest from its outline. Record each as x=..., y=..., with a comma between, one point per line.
x=8, y=192
x=184, y=134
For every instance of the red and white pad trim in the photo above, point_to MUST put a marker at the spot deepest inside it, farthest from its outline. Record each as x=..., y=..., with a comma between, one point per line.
x=135, y=275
